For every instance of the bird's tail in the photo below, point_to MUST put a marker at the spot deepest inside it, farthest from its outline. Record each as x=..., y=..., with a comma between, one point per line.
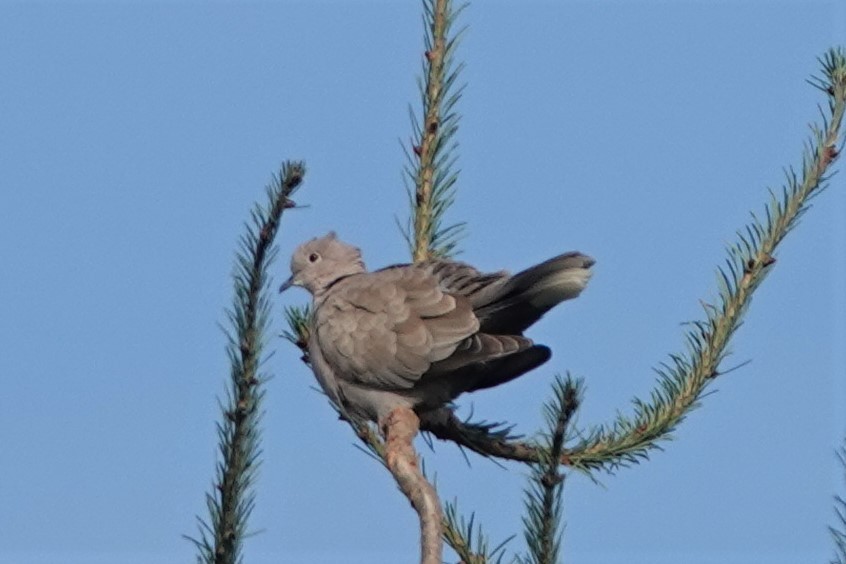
x=522, y=299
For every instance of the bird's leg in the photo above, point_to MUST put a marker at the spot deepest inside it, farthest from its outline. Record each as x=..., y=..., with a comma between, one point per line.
x=400, y=427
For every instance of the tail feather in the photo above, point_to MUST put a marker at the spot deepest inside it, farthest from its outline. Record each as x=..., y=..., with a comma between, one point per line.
x=506, y=368
x=524, y=298
x=484, y=361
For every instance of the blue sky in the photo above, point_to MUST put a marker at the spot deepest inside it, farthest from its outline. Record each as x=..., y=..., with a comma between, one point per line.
x=134, y=137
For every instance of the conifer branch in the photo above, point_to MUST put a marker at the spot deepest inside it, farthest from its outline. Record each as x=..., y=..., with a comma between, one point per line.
x=487, y=439
x=542, y=522
x=232, y=499
x=430, y=159
x=684, y=379
x=298, y=319
x=467, y=539
x=838, y=532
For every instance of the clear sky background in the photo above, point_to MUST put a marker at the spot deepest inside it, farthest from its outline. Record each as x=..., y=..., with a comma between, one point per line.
x=135, y=137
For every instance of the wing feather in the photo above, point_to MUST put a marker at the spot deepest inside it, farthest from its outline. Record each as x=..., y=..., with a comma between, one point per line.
x=385, y=329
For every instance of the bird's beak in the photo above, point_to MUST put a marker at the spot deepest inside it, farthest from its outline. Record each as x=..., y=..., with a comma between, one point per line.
x=287, y=284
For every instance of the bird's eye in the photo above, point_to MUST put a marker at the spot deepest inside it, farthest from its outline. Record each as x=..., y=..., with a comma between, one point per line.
x=313, y=257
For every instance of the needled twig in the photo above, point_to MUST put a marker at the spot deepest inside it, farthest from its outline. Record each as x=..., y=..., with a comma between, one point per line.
x=429, y=137
x=400, y=428
x=542, y=521
x=239, y=433
x=429, y=174
x=838, y=532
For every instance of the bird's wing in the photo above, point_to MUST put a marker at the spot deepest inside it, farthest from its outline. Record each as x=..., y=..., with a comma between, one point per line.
x=464, y=280
x=385, y=329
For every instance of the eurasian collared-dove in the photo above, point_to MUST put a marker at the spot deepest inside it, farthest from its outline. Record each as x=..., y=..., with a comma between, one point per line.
x=419, y=335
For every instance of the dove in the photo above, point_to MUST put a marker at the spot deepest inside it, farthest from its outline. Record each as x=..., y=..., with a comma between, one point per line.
x=419, y=335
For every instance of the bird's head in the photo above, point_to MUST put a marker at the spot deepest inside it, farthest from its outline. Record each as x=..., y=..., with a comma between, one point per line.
x=316, y=264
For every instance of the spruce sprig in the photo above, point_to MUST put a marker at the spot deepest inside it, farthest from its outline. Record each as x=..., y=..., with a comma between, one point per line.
x=232, y=498
x=838, y=531
x=684, y=378
x=298, y=319
x=542, y=521
x=468, y=541
x=430, y=167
